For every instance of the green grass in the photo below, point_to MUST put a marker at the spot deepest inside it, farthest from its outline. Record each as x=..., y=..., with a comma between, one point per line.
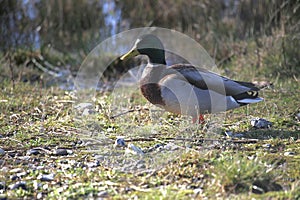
x=221, y=169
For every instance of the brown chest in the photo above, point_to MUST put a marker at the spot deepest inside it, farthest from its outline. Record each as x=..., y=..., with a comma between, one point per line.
x=152, y=92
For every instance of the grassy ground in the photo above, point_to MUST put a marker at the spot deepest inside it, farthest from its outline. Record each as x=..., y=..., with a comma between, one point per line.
x=204, y=162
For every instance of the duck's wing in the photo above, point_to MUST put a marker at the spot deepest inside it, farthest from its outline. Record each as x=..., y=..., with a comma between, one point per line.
x=206, y=80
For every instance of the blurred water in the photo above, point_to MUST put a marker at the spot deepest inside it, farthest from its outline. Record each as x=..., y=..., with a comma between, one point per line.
x=29, y=11
x=32, y=13
x=112, y=15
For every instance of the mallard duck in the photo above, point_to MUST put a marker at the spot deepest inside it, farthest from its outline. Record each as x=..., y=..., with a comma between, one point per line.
x=186, y=89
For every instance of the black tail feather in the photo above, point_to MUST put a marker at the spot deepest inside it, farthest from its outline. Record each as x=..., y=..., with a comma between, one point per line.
x=249, y=85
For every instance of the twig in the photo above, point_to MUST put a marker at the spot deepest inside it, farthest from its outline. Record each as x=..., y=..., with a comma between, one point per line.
x=246, y=141
x=52, y=67
x=295, y=78
x=11, y=70
x=43, y=149
x=129, y=111
x=44, y=69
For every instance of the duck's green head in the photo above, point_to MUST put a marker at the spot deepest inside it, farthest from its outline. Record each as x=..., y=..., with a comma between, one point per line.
x=149, y=45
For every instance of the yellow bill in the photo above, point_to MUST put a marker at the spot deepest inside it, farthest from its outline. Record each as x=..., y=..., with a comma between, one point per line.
x=133, y=52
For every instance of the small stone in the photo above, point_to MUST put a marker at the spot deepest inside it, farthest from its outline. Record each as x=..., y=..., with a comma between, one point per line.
x=40, y=167
x=171, y=146
x=45, y=186
x=12, y=153
x=69, y=151
x=260, y=123
x=298, y=116
x=238, y=135
x=198, y=190
x=120, y=142
x=24, y=158
x=33, y=152
x=46, y=177
x=110, y=130
x=16, y=170
x=79, y=142
x=93, y=164
x=2, y=185
x=85, y=108
x=266, y=146
x=39, y=195
x=2, y=152
x=228, y=133
x=37, y=184
x=134, y=149
x=158, y=145
x=87, y=112
x=15, y=177
x=155, y=147
x=289, y=153
x=62, y=152
x=21, y=174
x=102, y=194
x=20, y=184
x=100, y=158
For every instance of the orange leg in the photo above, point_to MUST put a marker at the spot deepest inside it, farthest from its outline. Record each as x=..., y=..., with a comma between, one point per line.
x=199, y=120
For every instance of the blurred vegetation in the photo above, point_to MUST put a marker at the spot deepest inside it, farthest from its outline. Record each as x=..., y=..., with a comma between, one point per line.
x=65, y=31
